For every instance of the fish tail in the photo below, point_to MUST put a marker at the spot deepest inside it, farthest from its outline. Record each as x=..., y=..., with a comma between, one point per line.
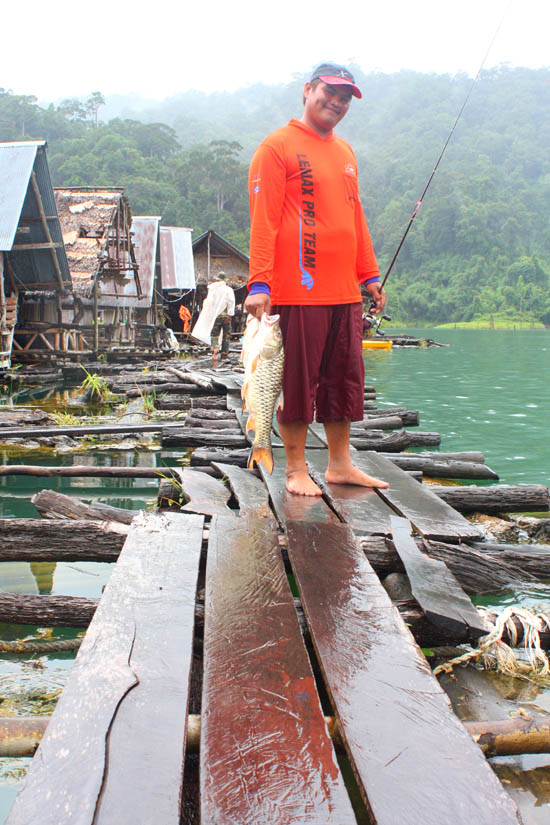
x=263, y=455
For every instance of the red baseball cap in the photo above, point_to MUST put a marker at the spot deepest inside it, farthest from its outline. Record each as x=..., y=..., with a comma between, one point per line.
x=336, y=75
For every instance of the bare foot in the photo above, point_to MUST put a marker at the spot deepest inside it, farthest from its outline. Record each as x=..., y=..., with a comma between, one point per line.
x=353, y=475
x=300, y=483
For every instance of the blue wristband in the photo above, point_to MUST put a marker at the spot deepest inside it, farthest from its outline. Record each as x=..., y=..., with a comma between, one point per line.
x=374, y=280
x=259, y=287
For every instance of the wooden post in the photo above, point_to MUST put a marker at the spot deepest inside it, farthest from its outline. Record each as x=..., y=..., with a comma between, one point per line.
x=44, y=220
x=96, y=320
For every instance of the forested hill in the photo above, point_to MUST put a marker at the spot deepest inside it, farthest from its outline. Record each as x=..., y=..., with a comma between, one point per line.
x=481, y=242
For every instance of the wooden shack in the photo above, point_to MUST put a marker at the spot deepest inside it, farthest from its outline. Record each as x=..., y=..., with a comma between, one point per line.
x=34, y=272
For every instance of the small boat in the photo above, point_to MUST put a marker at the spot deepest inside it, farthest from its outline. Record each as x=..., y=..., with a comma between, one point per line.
x=376, y=343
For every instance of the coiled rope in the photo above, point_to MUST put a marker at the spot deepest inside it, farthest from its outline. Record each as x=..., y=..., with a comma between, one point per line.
x=494, y=654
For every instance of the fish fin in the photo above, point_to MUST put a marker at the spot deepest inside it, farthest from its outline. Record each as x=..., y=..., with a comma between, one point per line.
x=263, y=455
x=251, y=423
x=244, y=389
x=244, y=404
x=254, y=364
x=279, y=404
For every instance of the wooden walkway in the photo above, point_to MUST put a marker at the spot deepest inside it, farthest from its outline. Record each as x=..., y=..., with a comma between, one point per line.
x=114, y=749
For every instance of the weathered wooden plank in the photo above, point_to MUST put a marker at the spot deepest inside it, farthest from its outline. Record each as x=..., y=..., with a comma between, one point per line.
x=51, y=504
x=203, y=456
x=208, y=496
x=430, y=515
x=248, y=489
x=288, y=505
x=266, y=756
x=414, y=760
x=195, y=437
x=365, y=512
x=435, y=588
x=113, y=751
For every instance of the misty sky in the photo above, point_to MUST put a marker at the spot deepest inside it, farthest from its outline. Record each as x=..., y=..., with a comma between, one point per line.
x=68, y=49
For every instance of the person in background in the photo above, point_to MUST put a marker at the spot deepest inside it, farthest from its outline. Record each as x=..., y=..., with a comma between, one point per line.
x=214, y=321
x=310, y=250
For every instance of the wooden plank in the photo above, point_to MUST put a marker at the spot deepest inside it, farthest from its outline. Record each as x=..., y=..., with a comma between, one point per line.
x=207, y=496
x=113, y=751
x=248, y=489
x=266, y=756
x=414, y=760
x=290, y=506
x=360, y=507
x=435, y=588
x=234, y=402
x=431, y=516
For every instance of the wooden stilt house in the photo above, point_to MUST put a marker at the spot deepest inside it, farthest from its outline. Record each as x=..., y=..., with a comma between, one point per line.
x=34, y=272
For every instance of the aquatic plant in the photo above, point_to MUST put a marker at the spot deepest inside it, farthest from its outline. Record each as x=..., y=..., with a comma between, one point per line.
x=96, y=386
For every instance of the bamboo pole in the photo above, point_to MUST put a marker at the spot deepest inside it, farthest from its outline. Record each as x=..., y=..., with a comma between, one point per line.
x=20, y=736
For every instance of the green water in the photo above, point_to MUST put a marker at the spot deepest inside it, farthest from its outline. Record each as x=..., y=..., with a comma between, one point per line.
x=489, y=391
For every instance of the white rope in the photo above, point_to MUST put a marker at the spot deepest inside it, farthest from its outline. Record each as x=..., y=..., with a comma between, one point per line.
x=494, y=654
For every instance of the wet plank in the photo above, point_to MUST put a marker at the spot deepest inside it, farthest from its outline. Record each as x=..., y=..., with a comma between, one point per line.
x=431, y=516
x=112, y=752
x=207, y=496
x=413, y=758
x=289, y=506
x=234, y=402
x=248, y=489
x=360, y=507
x=266, y=756
x=434, y=587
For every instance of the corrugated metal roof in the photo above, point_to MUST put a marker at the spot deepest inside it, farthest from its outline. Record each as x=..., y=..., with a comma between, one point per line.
x=176, y=258
x=20, y=217
x=16, y=165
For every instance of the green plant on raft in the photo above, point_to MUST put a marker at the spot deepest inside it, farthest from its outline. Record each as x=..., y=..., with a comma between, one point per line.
x=65, y=419
x=96, y=386
x=102, y=358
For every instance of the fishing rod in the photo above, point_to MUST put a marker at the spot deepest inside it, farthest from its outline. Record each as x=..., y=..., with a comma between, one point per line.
x=416, y=209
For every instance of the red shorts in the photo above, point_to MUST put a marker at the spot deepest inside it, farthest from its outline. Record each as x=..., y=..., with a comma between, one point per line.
x=323, y=369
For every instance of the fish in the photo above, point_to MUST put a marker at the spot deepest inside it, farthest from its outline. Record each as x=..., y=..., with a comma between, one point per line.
x=263, y=357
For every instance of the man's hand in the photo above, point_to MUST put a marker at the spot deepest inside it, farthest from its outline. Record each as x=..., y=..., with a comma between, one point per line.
x=258, y=304
x=378, y=296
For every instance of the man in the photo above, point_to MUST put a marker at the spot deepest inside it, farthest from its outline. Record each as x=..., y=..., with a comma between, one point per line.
x=215, y=317
x=310, y=250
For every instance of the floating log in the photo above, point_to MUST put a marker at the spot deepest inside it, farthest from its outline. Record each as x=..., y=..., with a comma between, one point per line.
x=193, y=377
x=467, y=455
x=178, y=390
x=207, y=423
x=57, y=505
x=84, y=470
x=441, y=468
x=47, y=611
x=392, y=422
x=504, y=498
x=198, y=437
x=476, y=570
x=204, y=455
x=506, y=737
x=99, y=429
x=174, y=402
x=25, y=539
x=408, y=417
x=212, y=415
x=19, y=736
x=395, y=441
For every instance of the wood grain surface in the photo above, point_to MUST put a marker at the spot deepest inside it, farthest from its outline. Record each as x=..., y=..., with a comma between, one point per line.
x=412, y=756
x=113, y=751
x=266, y=756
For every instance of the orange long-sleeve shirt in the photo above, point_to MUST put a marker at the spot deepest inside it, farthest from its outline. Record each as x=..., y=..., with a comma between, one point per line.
x=309, y=240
